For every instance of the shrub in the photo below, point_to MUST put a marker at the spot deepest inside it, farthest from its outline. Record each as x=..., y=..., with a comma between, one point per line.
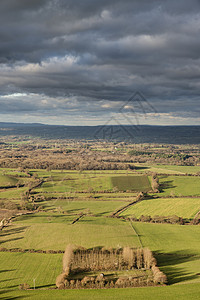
x=24, y=286
x=60, y=281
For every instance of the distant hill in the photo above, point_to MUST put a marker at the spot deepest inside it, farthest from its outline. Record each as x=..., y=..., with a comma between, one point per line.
x=10, y=124
x=136, y=134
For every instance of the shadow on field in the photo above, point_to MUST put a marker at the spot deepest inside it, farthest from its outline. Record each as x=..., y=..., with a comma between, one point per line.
x=5, y=280
x=9, y=232
x=168, y=263
x=103, y=213
x=4, y=271
x=11, y=240
x=13, y=231
x=45, y=286
x=167, y=185
x=3, y=296
x=72, y=211
x=25, y=217
x=141, y=168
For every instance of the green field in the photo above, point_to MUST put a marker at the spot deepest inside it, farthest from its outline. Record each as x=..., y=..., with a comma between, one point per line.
x=6, y=181
x=183, y=292
x=182, y=207
x=168, y=169
x=184, y=242
x=134, y=183
x=180, y=185
x=14, y=193
x=176, y=247
x=179, y=259
x=88, y=206
x=18, y=268
x=77, y=184
x=32, y=232
x=157, y=237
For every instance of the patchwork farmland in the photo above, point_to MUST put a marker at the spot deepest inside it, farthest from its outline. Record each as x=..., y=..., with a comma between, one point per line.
x=42, y=211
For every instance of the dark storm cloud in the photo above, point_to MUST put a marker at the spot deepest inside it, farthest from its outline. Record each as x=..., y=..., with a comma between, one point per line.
x=87, y=52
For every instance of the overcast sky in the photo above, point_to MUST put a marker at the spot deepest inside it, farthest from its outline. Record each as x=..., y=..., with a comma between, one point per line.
x=81, y=62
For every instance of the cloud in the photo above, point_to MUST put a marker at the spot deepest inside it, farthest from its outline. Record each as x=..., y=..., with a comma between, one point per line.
x=86, y=58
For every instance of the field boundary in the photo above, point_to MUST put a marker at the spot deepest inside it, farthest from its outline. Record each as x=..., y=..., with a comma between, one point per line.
x=120, y=210
x=138, y=236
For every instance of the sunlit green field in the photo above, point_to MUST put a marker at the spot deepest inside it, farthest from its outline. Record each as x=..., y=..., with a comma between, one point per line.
x=176, y=247
x=18, y=268
x=181, y=237
x=88, y=206
x=183, y=207
x=168, y=169
x=88, y=232
x=183, y=292
x=180, y=185
x=12, y=193
x=179, y=259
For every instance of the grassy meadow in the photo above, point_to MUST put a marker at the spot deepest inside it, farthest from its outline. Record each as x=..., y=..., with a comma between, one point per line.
x=183, y=292
x=167, y=169
x=184, y=207
x=136, y=183
x=31, y=232
x=180, y=185
x=25, y=267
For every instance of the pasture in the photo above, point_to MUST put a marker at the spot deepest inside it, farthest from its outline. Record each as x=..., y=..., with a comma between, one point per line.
x=18, y=268
x=176, y=248
x=168, y=169
x=6, y=181
x=182, y=207
x=134, y=183
x=180, y=185
x=30, y=232
x=183, y=292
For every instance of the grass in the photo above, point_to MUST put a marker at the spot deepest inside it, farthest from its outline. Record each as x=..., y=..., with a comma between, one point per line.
x=176, y=248
x=134, y=183
x=32, y=232
x=18, y=268
x=68, y=181
x=14, y=193
x=182, y=207
x=6, y=181
x=92, y=196
x=183, y=292
x=169, y=238
x=90, y=206
x=76, y=184
x=180, y=185
x=168, y=169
